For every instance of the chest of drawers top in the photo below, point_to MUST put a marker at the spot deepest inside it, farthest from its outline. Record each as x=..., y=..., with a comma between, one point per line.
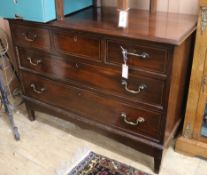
x=161, y=27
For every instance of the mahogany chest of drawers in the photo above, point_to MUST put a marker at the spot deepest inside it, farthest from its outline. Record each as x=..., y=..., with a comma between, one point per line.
x=73, y=69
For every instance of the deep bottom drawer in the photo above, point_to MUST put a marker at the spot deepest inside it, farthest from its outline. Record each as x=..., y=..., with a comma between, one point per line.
x=101, y=109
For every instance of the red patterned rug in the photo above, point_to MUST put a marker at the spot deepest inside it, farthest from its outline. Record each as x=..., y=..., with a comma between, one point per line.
x=95, y=164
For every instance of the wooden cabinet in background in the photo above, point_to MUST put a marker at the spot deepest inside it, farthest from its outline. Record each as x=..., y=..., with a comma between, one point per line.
x=194, y=137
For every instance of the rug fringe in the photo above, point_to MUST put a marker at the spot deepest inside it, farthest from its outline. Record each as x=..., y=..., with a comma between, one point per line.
x=66, y=167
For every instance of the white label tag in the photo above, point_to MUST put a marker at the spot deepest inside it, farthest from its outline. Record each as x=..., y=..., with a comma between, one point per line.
x=123, y=18
x=125, y=71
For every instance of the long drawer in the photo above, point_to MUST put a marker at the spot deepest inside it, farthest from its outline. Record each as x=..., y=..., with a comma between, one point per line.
x=133, y=120
x=138, y=88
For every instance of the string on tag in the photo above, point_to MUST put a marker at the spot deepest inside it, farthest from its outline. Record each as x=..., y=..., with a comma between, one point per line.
x=125, y=56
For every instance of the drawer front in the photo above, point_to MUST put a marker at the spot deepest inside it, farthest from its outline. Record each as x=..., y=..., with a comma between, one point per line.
x=76, y=44
x=101, y=109
x=139, y=57
x=103, y=79
x=31, y=37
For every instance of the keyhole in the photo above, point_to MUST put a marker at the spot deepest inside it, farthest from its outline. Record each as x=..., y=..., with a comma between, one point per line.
x=75, y=38
x=76, y=66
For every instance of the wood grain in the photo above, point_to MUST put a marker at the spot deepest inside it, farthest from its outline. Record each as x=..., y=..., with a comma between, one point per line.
x=158, y=28
x=108, y=81
x=203, y=3
x=31, y=37
x=191, y=141
x=201, y=106
x=81, y=102
x=191, y=147
x=157, y=60
x=179, y=83
x=153, y=6
x=123, y=4
x=59, y=9
x=72, y=43
x=196, y=80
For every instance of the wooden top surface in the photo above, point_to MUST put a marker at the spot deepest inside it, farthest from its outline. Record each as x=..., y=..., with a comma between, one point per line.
x=203, y=2
x=160, y=27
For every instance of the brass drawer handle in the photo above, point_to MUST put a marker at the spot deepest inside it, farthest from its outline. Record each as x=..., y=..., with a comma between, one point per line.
x=40, y=91
x=140, y=88
x=143, y=55
x=32, y=63
x=29, y=36
x=138, y=121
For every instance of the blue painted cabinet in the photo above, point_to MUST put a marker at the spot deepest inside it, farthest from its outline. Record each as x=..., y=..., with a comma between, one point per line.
x=38, y=10
x=7, y=8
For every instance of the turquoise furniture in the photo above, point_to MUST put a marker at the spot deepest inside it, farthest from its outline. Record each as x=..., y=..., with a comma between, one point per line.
x=38, y=10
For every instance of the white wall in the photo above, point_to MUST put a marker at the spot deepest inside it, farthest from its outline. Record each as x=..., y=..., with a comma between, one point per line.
x=178, y=6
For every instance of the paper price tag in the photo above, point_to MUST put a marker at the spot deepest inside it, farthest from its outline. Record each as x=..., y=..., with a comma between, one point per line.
x=125, y=71
x=123, y=18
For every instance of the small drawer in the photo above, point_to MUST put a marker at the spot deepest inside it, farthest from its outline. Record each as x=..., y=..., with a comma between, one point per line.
x=76, y=44
x=146, y=58
x=31, y=37
x=138, y=88
x=105, y=110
